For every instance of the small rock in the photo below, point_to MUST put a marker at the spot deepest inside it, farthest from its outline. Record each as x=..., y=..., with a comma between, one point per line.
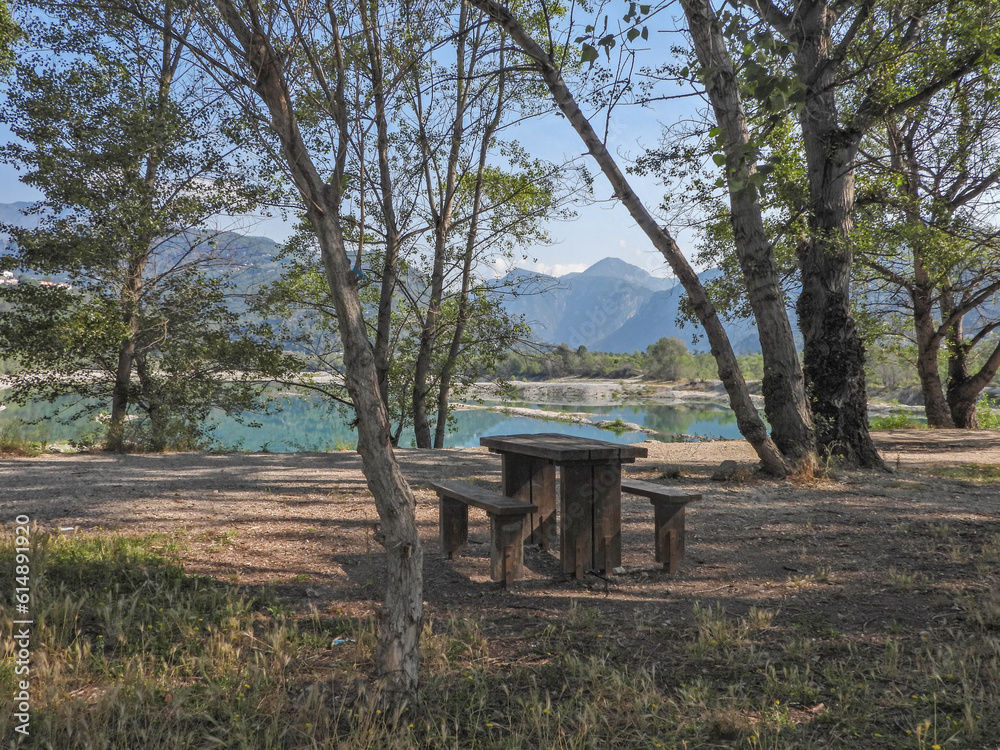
x=725, y=471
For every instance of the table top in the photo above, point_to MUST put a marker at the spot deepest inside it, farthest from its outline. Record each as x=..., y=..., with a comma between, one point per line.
x=559, y=448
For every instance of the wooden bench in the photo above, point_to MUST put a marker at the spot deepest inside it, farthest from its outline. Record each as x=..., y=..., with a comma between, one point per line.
x=668, y=524
x=507, y=517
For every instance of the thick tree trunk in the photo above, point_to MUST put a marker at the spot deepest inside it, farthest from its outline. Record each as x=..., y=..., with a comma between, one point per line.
x=962, y=404
x=397, y=649
x=785, y=402
x=834, y=356
x=749, y=422
x=965, y=389
x=928, y=344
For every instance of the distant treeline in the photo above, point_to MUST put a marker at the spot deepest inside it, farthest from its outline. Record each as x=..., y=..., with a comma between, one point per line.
x=889, y=370
x=667, y=359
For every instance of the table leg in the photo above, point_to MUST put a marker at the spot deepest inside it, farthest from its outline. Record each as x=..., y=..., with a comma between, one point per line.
x=591, y=499
x=607, y=515
x=576, y=494
x=533, y=480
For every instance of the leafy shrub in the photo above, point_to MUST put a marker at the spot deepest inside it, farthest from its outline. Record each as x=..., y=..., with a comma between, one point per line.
x=988, y=413
x=897, y=420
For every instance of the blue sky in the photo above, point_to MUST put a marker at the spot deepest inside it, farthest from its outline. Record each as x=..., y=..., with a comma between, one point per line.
x=602, y=229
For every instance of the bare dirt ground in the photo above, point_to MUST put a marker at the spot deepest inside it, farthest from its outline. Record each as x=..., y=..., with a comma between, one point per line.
x=857, y=551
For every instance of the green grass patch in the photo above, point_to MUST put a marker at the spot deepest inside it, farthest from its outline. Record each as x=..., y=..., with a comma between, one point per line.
x=978, y=473
x=14, y=440
x=897, y=420
x=131, y=652
x=617, y=426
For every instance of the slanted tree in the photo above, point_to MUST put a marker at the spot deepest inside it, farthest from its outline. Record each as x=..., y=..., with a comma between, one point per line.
x=289, y=68
x=546, y=64
x=115, y=133
x=840, y=69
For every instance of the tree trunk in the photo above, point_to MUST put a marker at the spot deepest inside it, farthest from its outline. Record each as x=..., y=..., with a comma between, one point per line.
x=442, y=227
x=120, y=391
x=964, y=389
x=928, y=345
x=749, y=422
x=834, y=356
x=132, y=290
x=448, y=368
x=383, y=325
x=120, y=397
x=397, y=650
x=962, y=403
x=783, y=385
x=921, y=290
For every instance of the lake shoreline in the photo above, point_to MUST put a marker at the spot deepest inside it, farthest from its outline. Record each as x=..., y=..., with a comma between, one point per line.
x=587, y=392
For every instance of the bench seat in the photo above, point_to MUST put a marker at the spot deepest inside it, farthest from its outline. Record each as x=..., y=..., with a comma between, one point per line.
x=507, y=516
x=668, y=523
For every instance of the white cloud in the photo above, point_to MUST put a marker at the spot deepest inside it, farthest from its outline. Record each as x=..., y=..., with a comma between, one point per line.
x=559, y=269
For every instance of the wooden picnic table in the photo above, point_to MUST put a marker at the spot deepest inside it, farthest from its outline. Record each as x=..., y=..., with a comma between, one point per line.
x=590, y=500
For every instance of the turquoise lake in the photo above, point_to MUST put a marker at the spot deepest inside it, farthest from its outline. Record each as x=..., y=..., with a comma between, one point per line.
x=304, y=425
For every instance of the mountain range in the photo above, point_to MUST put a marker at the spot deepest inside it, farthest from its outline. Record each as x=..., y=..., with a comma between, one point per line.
x=612, y=306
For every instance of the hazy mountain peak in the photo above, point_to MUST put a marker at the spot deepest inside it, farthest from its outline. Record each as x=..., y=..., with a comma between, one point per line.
x=616, y=268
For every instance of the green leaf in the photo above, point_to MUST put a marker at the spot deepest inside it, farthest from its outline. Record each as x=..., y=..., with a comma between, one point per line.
x=719, y=159
x=645, y=33
x=633, y=34
x=588, y=54
x=714, y=133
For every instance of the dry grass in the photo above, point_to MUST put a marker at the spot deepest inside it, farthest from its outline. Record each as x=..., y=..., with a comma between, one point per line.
x=130, y=652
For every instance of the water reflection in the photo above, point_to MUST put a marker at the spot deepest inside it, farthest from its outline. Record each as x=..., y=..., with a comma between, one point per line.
x=305, y=425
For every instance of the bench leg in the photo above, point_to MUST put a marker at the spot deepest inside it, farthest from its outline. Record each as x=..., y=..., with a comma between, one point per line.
x=454, y=515
x=507, y=548
x=669, y=530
